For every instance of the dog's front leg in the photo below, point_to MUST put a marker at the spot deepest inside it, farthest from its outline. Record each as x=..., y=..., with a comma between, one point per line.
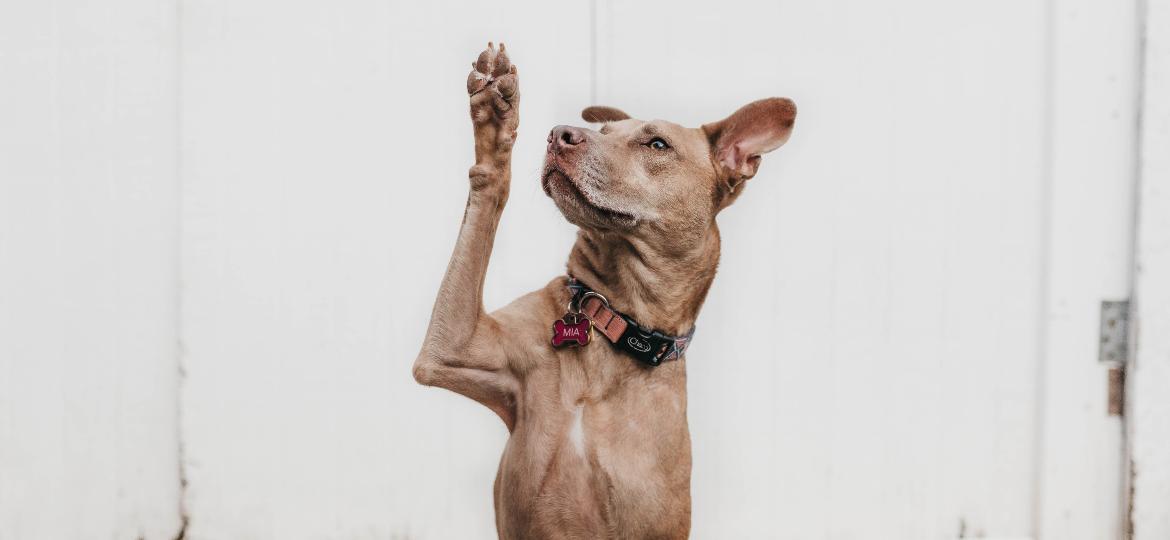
x=462, y=350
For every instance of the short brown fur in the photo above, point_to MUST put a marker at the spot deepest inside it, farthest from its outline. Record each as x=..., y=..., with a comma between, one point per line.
x=599, y=445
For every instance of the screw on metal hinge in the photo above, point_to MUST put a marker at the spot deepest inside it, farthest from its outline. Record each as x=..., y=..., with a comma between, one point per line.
x=1114, y=345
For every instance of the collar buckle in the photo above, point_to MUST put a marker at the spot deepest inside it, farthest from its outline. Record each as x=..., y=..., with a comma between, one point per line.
x=650, y=347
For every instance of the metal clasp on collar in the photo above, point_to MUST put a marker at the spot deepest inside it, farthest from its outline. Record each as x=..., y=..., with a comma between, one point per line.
x=575, y=307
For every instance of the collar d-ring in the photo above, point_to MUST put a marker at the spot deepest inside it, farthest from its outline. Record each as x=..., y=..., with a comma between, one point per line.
x=575, y=303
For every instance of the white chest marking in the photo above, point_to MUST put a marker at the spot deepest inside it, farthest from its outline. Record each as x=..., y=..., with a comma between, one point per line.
x=577, y=431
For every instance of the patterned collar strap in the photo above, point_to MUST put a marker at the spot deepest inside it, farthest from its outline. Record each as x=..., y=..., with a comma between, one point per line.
x=648, y=346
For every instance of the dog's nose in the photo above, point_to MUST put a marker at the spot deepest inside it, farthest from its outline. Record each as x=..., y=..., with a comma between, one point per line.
x=562, y=138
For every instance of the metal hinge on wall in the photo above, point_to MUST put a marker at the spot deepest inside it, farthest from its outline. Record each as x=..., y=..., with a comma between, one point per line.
x=1114, y=349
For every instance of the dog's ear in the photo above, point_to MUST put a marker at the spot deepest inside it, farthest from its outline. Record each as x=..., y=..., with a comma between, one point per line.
x=738, y=140
x=598, y=114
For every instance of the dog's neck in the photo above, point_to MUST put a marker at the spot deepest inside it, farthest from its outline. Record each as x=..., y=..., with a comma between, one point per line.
x=661, y=289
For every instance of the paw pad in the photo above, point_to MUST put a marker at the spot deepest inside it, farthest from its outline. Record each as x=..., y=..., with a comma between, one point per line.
x=492, y=65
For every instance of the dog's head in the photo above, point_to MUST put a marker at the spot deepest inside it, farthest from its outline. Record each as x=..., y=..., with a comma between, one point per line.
x=657, y=179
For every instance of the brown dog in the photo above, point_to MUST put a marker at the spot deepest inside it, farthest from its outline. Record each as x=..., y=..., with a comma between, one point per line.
x=599, y=445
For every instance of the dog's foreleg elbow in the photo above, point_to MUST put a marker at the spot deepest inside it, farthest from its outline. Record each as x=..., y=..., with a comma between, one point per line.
x=423, y=370
x=495, y=389
x=433, y=362
x=427, y=366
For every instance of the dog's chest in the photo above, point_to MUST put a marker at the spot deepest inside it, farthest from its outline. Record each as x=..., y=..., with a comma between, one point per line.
x=603, y=445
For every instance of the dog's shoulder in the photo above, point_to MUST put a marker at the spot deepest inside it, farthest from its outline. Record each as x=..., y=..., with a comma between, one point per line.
x=525, y=324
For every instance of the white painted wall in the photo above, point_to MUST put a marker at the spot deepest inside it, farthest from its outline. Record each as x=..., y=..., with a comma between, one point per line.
x=88, y=272
x=1149, y=401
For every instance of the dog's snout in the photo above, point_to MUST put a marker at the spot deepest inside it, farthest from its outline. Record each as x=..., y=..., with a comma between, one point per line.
x=562, y=138
x=570, y=135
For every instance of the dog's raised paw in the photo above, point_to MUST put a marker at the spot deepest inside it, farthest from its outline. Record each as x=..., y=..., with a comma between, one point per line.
x=494, y=88
x=492, y=65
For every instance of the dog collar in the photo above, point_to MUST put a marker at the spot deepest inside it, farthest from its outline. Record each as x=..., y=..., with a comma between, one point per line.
x=648, y=346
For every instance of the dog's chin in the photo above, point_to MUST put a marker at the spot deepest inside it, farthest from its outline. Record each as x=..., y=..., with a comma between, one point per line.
x=576, y=206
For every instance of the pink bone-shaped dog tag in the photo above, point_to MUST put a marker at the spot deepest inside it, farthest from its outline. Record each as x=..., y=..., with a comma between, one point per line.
x=572, y=330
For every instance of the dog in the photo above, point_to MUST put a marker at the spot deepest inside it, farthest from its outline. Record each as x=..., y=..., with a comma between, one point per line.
x=589, y=372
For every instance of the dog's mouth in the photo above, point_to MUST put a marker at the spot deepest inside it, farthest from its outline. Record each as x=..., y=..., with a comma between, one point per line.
x=563, y=190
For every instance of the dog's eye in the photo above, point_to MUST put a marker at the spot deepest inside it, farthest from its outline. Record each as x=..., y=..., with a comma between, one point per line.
x=658, y=144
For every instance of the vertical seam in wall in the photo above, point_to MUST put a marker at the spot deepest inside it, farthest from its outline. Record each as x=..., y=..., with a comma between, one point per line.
x=592, y=52
x=1127, y=472
x=1043, y=276
x=181, y=373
